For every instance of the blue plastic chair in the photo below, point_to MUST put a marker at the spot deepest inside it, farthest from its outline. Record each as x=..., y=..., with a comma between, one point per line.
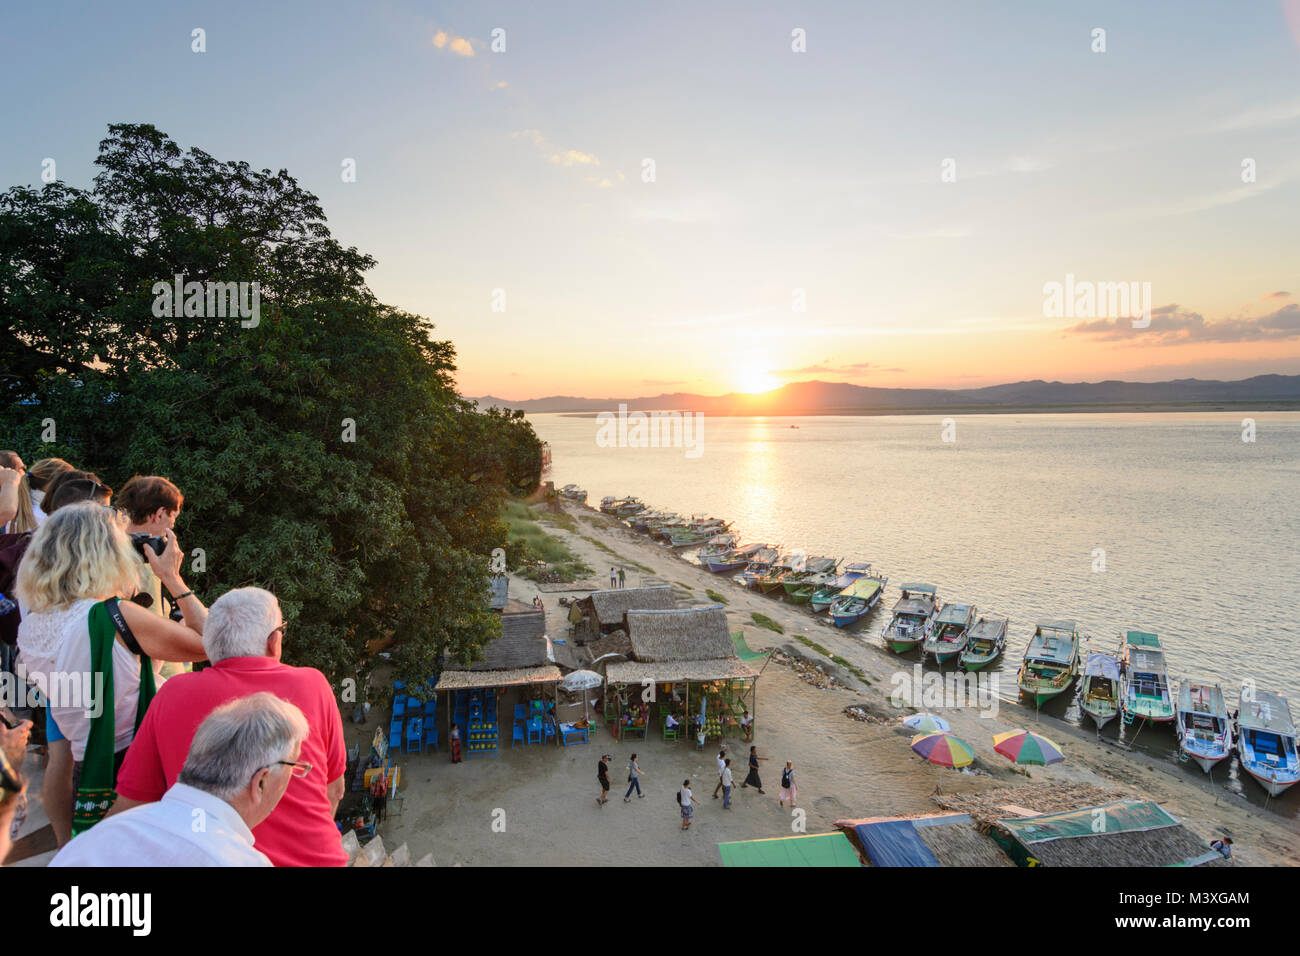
x=394, y=736
x=413, y=735
x=518, y=736
x=430, y=708
x=534, y=731
x=550, y=729
x=399, y=705
x=521, y=712
x=399, y=685
x=431, y=733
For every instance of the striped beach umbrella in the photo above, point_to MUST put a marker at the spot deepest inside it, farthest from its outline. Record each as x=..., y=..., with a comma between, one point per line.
x=1021, y=746
x=927, y=723
x=943, y=749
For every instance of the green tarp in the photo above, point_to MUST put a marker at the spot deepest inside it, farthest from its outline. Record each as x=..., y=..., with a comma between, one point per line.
x=1143, y=639
x=825, y=849
x=1126, y=816
x=742, y=649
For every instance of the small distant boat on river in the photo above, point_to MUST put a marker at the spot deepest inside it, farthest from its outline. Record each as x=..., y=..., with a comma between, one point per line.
x=1051, y=661
x=1099, y=689
x=911, y=617
x=985, y=643
x=1266, y=739
x=1204, y=727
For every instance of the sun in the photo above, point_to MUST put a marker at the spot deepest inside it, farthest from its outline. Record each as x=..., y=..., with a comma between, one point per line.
x=754, y=377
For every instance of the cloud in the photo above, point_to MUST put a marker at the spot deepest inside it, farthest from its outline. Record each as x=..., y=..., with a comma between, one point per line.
x=1171, y=326
x=500, y=85
x=826, y=368
x=443, y=40
x=1277, y=295
x=662, y=382
x=567, y=158
x=573, y=157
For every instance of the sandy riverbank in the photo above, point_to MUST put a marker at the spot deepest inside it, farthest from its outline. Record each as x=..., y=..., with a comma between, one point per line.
x=537, y=804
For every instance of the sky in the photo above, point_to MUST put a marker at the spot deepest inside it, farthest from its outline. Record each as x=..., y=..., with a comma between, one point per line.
x=633, y=198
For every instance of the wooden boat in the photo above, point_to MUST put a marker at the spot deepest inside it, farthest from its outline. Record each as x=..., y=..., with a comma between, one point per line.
x=628, y=507
x=1099, y=689
x=853, y=603
x=1204, y=727
x=1266, y=739
x=700, y=534
x=788, y=563
x=949, y=632
x=718, y=545
x=733, y=560
x=911, y=617
x=648, y=521
x=814, y=569
x=1051, y=661
x=759, y=565
x=985, y=643
x=694, y=526
x=574, y=493
x=1144, y=679
x=821, y=598
x=804, y=590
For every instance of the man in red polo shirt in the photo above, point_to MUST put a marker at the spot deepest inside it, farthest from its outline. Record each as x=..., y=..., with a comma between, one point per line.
x=243, y=638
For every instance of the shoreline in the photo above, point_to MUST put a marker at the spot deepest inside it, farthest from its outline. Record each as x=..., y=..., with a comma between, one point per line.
x=848, y=768
x=1127, y=408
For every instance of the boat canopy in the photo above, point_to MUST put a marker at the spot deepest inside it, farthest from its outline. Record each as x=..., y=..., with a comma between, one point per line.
x=1142, y=639
x=861, y=588
x=1102, y=665
x=1147, y=660
x=954, y=614
x=1201, y=697
x=1265, y=711
x=920, y=588
x=988, y=628
x=1056, y=626
x=857, y=567
x=914, y=607
x=1050, y=648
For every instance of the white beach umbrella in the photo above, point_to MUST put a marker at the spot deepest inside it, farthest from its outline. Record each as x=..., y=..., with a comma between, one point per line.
x=582, y=681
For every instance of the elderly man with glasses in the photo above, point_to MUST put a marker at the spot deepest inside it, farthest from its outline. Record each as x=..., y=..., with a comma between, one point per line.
x=243, y=637
x=242, y=761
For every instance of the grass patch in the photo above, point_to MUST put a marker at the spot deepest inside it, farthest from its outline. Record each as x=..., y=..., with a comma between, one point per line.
x=560, y=519
x=534, y=554
x=715, y=596
x=855, y=671
x=762, y=620
x=610, y=551
x=683, y=584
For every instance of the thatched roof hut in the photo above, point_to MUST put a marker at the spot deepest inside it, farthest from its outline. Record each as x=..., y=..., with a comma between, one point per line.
x=688, y=634
x=986, y=807
x=1123, y=833
x=603, y=611
x=518, y=656
x=949, y=839
x=615, y=642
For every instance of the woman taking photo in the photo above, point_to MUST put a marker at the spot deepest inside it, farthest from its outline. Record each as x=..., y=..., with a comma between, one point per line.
x=77, y=639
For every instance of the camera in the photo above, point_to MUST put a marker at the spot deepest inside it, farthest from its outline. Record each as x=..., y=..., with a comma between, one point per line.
x=140, y=540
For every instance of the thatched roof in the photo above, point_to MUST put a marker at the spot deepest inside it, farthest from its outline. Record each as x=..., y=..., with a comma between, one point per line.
x=522, y=643
x=952, y=838
x=471, y=680
x=608, y=607
x=615, y=642
x=1136, y=833
x=987, y=806
x=685, y=634
x=672, y=672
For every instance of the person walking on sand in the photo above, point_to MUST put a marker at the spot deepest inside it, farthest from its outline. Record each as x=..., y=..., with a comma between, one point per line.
x=722, y=765
x=633, y=780
x=727, y=784
x=687, y=801
x=753, y=779
x=602, y=777
x=789, y=791
x=622, y=578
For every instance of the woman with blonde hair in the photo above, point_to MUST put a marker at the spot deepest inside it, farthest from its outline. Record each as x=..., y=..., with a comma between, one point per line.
x=38, y=478
x=75, y=638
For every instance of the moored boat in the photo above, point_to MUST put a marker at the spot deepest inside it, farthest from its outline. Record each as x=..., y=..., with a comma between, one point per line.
x=985, y=642
x=855, y=601
x=732, y=560
x=1051, y=661
x=821, y=598
x=1099, y=689
x=573, y=493
x=694, y=535
x=815, y=571
x=759, y=565
x=1266, y=739
x=718, y=545
x=1204, y=728
x=1144, y=679
x=911, y=617
x=620, y=507
x=949, y=632
x=789, y=563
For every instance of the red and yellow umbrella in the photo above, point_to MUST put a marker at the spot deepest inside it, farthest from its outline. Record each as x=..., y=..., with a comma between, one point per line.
x=1021, y=746
x=943, y=749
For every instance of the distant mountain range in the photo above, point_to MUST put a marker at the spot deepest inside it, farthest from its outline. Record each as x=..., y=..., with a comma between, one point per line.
x=839, y=398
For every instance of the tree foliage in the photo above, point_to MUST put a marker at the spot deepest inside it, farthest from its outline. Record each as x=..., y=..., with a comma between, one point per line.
x=378, y=528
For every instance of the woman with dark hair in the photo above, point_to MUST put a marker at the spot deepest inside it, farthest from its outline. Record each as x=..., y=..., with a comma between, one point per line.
x=71, y=486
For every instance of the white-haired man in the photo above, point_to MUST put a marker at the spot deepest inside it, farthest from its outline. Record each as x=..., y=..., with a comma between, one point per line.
x=243, y=638
x=244, y=755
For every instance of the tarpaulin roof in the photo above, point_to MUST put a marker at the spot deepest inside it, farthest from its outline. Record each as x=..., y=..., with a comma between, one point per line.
x=1102, y=665
x=894, y=843
x=1126, y=816
x=822, y=849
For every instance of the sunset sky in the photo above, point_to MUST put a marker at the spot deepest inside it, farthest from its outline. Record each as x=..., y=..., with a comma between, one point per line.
x=775, y=171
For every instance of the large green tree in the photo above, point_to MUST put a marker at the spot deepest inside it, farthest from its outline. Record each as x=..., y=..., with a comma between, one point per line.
x=323, y=452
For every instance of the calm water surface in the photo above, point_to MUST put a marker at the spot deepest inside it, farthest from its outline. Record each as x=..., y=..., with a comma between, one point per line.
x=1199, y=529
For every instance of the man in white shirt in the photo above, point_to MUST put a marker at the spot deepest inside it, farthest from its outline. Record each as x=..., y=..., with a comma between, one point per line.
x=238, y=767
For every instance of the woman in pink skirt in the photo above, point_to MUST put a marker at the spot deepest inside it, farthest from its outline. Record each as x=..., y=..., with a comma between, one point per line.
x=788, y=789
